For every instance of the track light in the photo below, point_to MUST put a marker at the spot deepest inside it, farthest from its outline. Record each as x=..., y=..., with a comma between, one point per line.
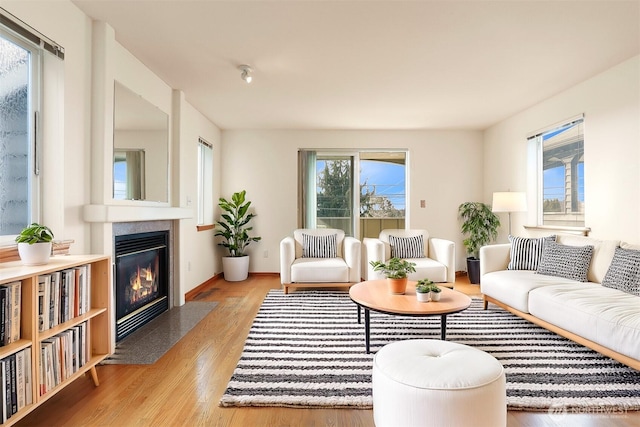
x=246, y=73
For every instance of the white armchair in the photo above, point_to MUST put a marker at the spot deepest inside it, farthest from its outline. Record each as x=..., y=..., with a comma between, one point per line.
x=319, y=256
x=434, y=258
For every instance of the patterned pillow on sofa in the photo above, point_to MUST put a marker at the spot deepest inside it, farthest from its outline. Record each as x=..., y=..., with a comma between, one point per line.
x=526, y=252
x=407, y=247
x=570, y=262
x=624, y=272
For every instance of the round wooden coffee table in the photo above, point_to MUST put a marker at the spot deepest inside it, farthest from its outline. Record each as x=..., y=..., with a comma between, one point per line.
x=374, y=295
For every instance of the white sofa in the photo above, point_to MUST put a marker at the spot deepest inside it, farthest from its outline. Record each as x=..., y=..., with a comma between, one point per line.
x=436, y=261
x=298, y=269
x=600, y=317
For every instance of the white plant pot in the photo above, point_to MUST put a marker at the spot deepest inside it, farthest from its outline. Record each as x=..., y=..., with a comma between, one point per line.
x=34, y=254
x=423, y=296
x=236, y=269
x=435, y=296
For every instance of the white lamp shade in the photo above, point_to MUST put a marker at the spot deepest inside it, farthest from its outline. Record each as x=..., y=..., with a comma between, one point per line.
x=509, y=201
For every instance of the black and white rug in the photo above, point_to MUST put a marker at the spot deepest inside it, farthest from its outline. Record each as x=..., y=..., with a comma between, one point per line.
x=306, y=350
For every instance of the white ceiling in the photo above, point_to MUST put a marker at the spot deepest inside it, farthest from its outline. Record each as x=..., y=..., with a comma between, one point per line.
x=371, y=64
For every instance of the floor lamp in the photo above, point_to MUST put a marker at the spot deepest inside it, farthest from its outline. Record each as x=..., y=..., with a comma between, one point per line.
x=509, y=201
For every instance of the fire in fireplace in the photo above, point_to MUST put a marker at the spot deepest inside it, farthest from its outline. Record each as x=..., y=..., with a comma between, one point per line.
x=142, y=271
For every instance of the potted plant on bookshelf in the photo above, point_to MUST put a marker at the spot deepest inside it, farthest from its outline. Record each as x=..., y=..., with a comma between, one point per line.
x=423, y=290
x=234, y=229
x=480, y=225
x=395, y=270
x=34, y=244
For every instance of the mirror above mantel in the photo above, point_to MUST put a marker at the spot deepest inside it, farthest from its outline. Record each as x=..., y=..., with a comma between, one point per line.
x=140, y=148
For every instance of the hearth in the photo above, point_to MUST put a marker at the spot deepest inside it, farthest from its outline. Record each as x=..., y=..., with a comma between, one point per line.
x=141, y=279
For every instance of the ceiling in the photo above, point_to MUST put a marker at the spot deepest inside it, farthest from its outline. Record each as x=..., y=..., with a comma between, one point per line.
x=371, y=64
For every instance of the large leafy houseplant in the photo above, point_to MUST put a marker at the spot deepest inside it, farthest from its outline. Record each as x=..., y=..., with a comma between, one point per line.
x=233, y=226
x=480, y=225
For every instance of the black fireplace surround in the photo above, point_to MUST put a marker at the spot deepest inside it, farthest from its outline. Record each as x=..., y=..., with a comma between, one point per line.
x=141, y=279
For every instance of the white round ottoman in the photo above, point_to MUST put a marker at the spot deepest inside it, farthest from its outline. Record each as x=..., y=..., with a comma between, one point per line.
x=437, y=383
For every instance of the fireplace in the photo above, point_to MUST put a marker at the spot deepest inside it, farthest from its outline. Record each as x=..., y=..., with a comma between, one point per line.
x=141, y=279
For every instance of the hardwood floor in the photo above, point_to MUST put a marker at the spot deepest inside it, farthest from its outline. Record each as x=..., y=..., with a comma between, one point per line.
x=183, y=388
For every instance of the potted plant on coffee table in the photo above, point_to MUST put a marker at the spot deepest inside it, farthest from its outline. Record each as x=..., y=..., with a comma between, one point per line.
x=234, y=229
x=395, y=270
x=435, y=292
x=480, y=225
x=423, y=290
x=34, y=244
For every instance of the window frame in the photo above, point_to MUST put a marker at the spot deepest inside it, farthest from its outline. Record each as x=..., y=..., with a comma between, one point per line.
x=536, y=140
x=307, y=160
x=205, y=208
x=34, y=151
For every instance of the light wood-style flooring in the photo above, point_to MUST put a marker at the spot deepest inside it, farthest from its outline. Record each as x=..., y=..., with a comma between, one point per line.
x=183, y=388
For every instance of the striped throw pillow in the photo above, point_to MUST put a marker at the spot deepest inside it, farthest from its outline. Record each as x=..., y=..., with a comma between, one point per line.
x=526, y=252
x=407, y=247
x=319, y=246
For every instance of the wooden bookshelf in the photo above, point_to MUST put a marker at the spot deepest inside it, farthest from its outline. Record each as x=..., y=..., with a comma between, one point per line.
x=97, y=318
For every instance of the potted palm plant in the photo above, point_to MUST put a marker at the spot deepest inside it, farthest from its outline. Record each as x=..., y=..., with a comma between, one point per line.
x=234, y=229
x=34, y=244
x=395, y=270
x=480, y=225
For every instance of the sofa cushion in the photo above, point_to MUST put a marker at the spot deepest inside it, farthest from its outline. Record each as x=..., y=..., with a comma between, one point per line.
x=407, y=247
x=512, y=287
x=526, y=252
x=603, y=251
x=603, y=315
x=570, y=262
x=624, y=272
x=319, y=246
x=323, y=270
x=428, y=268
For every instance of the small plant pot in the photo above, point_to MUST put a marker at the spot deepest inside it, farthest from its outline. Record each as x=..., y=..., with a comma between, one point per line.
x=397, y=286
x=423, y=296
x=435, y=296
x=34, y=254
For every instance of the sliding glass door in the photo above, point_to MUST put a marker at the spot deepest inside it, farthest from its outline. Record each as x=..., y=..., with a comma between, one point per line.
x=360, y=193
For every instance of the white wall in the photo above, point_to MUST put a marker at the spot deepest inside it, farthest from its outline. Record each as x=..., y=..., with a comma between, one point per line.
x=197, y=252
x=611, y=105
x=445, y=166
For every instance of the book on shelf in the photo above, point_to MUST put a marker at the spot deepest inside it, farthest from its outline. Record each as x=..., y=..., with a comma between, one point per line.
x=28, y=379
x=3, y=315
x=3, y=392
x=10, y=311
x=44, y=296
x=62, y=356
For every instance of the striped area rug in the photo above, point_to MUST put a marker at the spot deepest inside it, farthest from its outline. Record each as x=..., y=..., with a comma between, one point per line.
x=306, y=350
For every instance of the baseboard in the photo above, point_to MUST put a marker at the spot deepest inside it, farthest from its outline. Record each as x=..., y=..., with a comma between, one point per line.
x=193, y=293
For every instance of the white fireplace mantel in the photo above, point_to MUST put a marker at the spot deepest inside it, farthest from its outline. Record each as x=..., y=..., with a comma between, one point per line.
x=122, y=213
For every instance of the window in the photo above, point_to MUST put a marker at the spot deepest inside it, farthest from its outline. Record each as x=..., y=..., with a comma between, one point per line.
x=205, y=182
x=330, y=180
x=560, y=151
x=19, y=99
